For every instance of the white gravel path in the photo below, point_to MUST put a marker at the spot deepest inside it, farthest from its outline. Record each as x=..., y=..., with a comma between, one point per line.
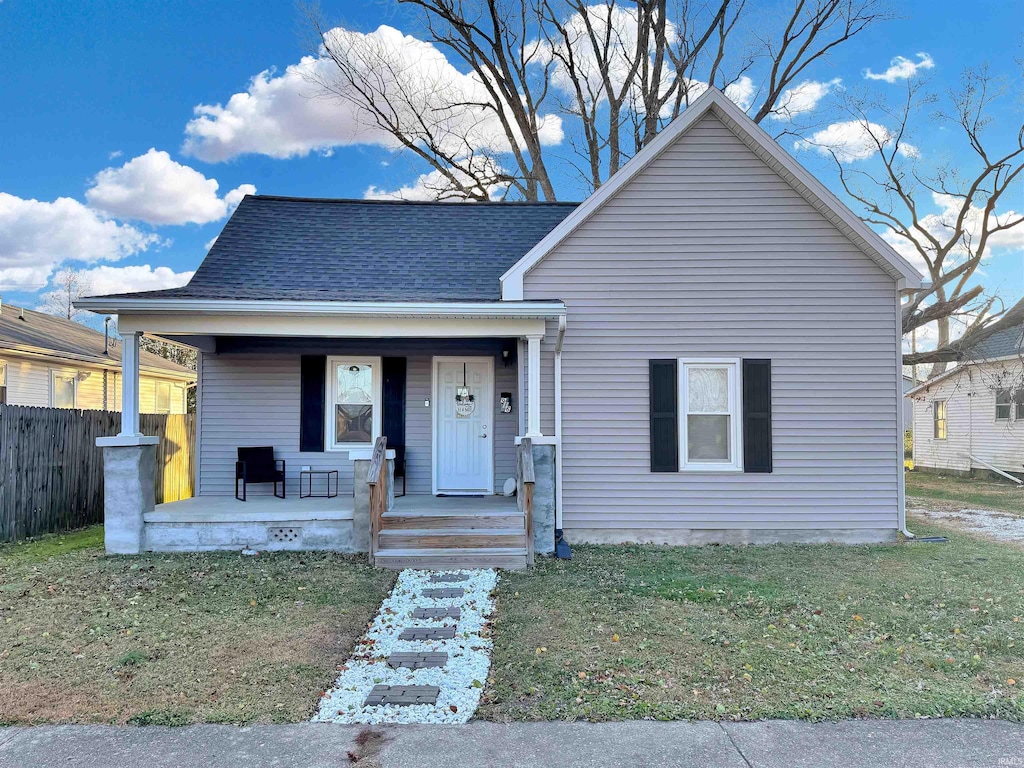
x=999, y=525
x=461, y=680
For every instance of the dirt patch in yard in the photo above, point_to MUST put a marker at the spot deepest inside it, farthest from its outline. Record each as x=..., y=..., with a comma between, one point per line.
x=174, y=639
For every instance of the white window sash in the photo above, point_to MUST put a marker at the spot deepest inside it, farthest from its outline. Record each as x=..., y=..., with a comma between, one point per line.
x=54, y=375
x=734, y=367
x=332, y=400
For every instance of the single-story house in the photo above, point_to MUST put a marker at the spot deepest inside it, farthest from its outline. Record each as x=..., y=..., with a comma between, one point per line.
x=52, y=362
x=971, y=417
x=707, y=349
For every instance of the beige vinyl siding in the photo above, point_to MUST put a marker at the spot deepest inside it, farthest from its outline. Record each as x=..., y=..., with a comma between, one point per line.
x=971, y=425
x=28, y=382
x=709, y=253
x=253, y=399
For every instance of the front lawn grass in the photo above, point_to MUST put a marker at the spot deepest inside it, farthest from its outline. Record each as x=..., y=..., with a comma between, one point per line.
x=811, y=632
x=966, y=492
x=174, y=639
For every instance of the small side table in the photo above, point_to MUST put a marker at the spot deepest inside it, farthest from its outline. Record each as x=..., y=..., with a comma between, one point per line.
x=307, y=475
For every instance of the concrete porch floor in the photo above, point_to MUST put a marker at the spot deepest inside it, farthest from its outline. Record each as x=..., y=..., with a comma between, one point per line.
x=268, y=509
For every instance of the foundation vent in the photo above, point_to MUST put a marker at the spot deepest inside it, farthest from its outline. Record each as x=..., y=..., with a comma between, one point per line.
x=284, y=535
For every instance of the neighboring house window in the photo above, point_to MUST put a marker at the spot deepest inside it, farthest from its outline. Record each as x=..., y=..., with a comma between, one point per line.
x=1003, y=404
x=163, y=397
x=1018, y=398
x=709, y=421
x=63, y=389
x=3, y=382
x=353, y=402
x=939, y=419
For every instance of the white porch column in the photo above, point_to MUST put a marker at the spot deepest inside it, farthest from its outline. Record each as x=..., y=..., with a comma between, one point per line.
x=130, y=385
x=533, y=385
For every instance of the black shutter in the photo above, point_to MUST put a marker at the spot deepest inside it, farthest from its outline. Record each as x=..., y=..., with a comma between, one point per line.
x=393, y=396
x=664, y=416
x=313, y=390
x=757, y=415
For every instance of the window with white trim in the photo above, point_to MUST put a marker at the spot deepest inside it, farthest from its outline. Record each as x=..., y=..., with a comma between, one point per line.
x=163, y=397
x=1004, y=403
x=353, y=402
x=63, y=389
x=710, y=427
x=1018, y=399
x=939, y=419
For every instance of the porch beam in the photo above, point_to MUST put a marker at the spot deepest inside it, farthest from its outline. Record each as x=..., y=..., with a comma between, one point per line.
x=533, y=385
x=130, y=384
x=327, y=326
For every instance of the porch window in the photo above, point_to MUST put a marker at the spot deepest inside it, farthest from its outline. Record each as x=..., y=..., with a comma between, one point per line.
x=709, y=422
x=939, y=419
x=354, y=402
x=63, y=389
x=1003, y=404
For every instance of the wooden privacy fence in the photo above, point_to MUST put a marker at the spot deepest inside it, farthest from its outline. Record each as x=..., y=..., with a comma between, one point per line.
x=51, y=472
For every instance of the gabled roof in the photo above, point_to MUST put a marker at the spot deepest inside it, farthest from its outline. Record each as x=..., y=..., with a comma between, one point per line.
x=285, y=248
x=26, y=331
x=812, y=190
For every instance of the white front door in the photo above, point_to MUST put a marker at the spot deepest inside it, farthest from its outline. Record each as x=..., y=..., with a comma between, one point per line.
x=463, y=425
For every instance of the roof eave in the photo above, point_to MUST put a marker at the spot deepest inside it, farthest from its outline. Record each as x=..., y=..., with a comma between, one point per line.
x=493, y=309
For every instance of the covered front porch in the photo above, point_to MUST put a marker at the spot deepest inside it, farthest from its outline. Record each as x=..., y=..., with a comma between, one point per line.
x=452, y=388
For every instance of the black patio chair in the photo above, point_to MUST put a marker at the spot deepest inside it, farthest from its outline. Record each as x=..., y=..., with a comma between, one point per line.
x=258, y=465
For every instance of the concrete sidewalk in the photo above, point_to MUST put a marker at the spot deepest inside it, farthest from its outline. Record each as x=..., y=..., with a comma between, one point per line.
x=917, y=743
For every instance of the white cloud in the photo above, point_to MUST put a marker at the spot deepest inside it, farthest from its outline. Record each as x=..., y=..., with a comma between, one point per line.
x=156, y=189
x=35, y=236
x=941, y=225
x=115, y=154
x=901, y=68
x=433, y=186
x=803, y=97
x=103, y=279
x=619, y=26
x=285, y=116
x=853, y=140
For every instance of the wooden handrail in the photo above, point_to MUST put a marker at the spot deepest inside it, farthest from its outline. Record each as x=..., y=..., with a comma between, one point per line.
x=527, y=478
x=377, y=479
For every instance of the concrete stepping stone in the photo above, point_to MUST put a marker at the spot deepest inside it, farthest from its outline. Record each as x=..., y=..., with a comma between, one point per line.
x=437, y=613
x=427, y=633
x=417, y=660
x=444, y=592
x=402, y=695
x=447, y=578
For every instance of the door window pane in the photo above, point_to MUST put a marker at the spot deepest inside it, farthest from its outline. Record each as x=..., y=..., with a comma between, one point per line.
x=63, y=391
x=707, y=438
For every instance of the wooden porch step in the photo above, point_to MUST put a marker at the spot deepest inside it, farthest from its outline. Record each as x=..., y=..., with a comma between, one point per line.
x=432, y=520
x=451, y=538
x=509, y=558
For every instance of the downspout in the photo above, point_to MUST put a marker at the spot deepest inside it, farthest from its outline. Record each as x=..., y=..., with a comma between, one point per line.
x=561, y=546
x=900, y=426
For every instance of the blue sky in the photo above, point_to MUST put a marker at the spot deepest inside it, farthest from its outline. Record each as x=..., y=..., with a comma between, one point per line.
x=88, y=87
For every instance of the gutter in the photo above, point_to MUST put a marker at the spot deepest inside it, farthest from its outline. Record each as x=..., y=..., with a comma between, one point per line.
x=986, y=465
x=561, y=545
x=486, y=309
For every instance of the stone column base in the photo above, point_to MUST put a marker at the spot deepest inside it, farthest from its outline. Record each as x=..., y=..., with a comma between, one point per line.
x=544, y=457
x=129, y=491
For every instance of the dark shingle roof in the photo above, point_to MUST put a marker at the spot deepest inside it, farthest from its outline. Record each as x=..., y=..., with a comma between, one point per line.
x=358, y=250
x=1004, y=338
x=60, y=336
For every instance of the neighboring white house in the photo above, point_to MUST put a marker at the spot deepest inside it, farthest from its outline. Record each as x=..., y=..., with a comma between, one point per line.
x=973, y=414
x=51, y=362
x=709, y=346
